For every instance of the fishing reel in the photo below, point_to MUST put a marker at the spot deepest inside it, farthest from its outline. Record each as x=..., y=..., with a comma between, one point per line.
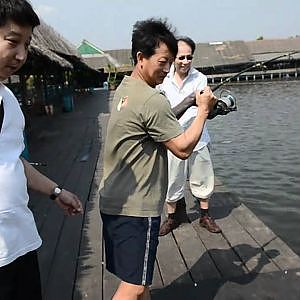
x=225, y=104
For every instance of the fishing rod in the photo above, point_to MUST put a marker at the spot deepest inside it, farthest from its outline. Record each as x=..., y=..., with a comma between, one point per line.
x=256, y=65
x=227, y=102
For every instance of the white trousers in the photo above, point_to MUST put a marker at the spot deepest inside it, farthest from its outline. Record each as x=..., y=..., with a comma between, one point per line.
x=197, y=168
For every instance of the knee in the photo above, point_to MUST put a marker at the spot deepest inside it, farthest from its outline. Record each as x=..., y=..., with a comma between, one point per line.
x=126, y=290
x=139, y=290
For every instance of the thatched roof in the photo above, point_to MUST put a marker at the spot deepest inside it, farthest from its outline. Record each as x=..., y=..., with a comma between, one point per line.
x=111, y=60
x=50, y=55
x=48, y=43
x=101, y=61
x=45, y=35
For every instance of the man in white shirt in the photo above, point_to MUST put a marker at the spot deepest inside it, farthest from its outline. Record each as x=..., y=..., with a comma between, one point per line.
x=19, y=238
x=182, y=81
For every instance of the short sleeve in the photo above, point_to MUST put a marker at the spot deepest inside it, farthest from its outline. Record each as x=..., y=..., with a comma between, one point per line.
x=201, y=82
x=159, y=119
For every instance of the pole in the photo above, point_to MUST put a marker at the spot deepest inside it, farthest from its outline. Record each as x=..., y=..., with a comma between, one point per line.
x=256, y=65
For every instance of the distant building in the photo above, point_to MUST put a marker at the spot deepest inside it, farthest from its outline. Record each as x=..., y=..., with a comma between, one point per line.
x=218, y=60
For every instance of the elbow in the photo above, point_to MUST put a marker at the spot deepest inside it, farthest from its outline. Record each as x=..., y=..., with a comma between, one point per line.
x=183, y=155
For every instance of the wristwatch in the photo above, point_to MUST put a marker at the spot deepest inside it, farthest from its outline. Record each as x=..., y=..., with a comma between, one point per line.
x=56, y=192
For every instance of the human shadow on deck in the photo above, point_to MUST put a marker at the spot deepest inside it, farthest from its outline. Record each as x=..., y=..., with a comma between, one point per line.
x=225, y=287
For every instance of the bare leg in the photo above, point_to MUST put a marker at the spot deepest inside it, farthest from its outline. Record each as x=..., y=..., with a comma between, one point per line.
x=51, y=111
x=47, y=110
x=146, y=295
x=204, y=203
x=128, y=291
x=171, y=207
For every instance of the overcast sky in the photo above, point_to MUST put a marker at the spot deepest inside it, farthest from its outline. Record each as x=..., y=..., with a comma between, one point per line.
x=108, y=23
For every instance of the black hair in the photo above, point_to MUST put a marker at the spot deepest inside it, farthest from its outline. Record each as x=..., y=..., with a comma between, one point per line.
x=19, y=12
x=148, y=34
x=188, y=41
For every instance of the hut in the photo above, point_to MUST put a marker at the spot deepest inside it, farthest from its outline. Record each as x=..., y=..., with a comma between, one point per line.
x=53, y=66
x=113, y=64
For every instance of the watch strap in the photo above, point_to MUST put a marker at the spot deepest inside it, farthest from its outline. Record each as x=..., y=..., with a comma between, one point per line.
x=54, y=195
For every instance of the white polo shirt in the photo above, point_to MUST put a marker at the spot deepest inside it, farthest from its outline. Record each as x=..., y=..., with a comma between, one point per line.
x=18, y=232
x=195, y=81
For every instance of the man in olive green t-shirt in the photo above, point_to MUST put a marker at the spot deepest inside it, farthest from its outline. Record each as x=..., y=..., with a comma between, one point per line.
x=141, y=128
x=135, y=175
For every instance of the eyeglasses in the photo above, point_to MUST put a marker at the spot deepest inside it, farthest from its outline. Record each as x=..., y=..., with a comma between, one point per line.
x=187, y=57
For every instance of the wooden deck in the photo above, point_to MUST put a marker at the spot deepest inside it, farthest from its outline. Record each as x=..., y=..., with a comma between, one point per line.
x=246, y=261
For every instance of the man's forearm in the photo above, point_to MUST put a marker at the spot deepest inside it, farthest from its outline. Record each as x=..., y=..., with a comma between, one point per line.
x=186, y=103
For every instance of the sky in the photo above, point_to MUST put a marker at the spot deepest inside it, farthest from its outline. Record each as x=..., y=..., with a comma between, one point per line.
x=108, y=23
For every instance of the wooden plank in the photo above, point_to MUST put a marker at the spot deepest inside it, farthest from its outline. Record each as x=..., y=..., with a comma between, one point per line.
x=90, y=261
x=89, y=281
x=255, y=227
x=282, y=255
x=47, y=211
x=63, y=154
x=157, y=281
x=169, y=259
x=195, y=254
x=110, y=284
x=275, y=248
x=65, y=258
x=226, y=261
x=217, y=248
x=246, y=247
x=68, y=239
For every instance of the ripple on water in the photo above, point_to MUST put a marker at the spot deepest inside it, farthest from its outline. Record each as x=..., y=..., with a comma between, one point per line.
x=255, y=152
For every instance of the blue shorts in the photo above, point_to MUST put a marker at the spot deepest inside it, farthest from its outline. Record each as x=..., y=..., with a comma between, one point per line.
x=130, y=247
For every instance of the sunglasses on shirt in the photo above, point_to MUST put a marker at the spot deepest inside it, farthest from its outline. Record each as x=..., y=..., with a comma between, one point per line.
x=188, y=57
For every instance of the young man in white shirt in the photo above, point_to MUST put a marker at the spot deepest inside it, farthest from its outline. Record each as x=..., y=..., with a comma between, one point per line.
x=182, y=81
x=19, y=239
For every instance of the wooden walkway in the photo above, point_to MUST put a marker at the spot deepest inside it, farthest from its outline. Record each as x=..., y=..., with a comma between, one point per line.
x=246, y=261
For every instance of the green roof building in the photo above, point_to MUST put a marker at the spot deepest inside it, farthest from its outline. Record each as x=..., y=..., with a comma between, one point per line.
x=86, y=49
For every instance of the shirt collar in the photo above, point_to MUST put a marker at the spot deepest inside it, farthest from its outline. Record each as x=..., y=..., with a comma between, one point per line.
x=171, y=73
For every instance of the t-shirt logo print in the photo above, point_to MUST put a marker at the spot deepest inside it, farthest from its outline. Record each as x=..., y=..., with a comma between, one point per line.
x=122, y=103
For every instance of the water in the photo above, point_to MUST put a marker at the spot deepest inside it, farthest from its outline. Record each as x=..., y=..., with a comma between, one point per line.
x=256, y=153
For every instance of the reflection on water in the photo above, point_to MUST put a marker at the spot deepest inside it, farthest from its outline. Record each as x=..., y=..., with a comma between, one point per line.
x=256, y=153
